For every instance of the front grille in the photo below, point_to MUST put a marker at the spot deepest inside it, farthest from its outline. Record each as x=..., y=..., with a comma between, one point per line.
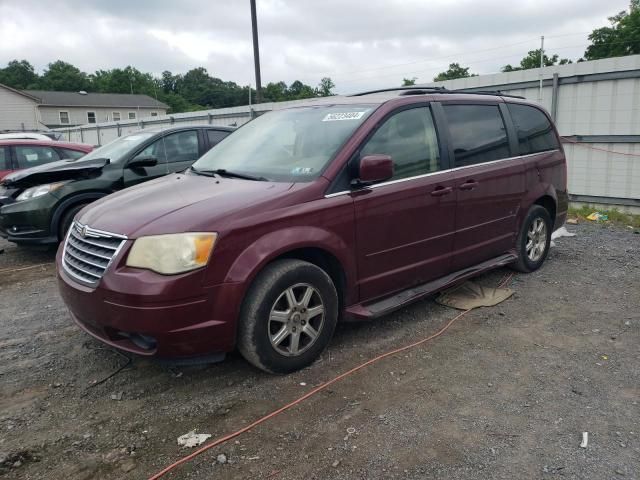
x=88, y=252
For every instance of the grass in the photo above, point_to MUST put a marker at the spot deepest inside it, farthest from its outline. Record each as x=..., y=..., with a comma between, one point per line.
x=615, y=216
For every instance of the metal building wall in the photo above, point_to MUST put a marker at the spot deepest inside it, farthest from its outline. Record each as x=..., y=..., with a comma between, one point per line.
x=596, y=104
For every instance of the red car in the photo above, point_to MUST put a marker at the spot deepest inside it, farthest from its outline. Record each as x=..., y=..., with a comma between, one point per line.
x=20, y=154
x=346, y=208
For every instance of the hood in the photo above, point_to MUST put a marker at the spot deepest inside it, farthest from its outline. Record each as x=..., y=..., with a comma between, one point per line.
x=53, y=172
x=177, y=203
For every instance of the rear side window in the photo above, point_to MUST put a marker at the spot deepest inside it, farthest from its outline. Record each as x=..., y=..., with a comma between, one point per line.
x=215, y=136
x=477, y=132
x=32, y=156
x=68, y=153
x=535, y=133
x=4, y=159
x=409, y=137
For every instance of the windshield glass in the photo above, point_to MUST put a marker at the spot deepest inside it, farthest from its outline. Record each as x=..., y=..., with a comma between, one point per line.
x=293, y=145
x=119, y=147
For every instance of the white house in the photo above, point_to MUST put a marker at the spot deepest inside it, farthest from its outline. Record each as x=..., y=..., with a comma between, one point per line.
x=38, y=109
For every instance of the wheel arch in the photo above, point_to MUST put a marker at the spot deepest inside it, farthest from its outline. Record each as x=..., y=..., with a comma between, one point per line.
x=318, y=246
x=549, y=203
x=72, y=201
x=544, y=195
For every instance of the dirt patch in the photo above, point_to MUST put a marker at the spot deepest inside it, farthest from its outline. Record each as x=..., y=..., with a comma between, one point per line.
x=506, y=393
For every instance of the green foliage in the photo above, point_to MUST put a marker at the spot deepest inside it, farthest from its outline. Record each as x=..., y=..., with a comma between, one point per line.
x=615, y=215
x=195, y=90
x=532, y=60
x=621, y=38
x=19, y=74
x=325, y=87
x=454, y=71
x=407, y=82
x=62, y=76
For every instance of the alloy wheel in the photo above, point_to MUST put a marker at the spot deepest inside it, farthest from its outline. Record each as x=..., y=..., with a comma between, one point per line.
x=296, y=319
x=536, y=240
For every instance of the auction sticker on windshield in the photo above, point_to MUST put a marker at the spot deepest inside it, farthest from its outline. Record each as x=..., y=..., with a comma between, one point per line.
x=332, y=117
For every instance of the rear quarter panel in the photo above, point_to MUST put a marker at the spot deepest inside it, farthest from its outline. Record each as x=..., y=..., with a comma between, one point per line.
x=545, y=175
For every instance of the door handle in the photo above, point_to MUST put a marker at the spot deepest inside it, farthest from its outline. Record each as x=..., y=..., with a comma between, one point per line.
x=440, y=191
x=468, y=185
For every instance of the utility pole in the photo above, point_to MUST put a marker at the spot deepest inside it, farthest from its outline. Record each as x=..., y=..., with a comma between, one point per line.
x=256, y=51
x=541, y=67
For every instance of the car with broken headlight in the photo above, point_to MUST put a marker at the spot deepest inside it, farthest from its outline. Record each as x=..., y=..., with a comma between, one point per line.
x=38, y=204
x=344, y=208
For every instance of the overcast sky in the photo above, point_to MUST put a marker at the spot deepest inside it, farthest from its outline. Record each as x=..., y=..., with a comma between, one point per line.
x=359, y=44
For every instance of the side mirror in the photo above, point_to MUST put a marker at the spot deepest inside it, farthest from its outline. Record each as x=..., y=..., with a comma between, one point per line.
x=375, y=168
x=143, y=161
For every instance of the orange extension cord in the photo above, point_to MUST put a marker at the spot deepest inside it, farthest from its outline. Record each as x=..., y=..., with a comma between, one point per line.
x=312, y=392
x=586, y=145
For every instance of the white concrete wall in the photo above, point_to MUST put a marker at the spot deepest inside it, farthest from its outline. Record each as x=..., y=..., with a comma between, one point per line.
x=17, y=112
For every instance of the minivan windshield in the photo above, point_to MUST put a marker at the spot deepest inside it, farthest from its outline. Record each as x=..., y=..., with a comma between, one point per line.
x=119, y=147
x=292, y=145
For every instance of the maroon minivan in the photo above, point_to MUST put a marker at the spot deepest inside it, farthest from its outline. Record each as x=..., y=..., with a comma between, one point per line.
x=345, y=208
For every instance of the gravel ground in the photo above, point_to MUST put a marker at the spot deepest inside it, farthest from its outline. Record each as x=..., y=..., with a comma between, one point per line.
x=505, y=393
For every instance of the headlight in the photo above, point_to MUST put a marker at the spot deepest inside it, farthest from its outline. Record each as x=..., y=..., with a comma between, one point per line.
x=38, y=191
x=171, y=254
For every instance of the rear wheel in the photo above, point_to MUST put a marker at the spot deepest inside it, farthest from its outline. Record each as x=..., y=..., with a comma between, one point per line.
x=67, y=220
x=288, y=316
x=534, y=239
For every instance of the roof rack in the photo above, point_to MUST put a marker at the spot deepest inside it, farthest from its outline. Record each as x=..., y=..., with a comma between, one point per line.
x=409, y=88
x=414, y=90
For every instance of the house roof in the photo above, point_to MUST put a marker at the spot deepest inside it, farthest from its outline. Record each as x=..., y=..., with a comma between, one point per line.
x=19, y=92
x=75, y=99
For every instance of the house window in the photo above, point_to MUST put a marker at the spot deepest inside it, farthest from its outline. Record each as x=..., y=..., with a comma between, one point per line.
x=64, y=118
x=132, y=115
x=116, y=116
x=154, y=114
x=91, y=117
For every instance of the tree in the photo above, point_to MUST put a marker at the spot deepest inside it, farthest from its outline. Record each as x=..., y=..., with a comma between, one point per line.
x=19, y=74
x=325, y=87
x=454, y=71
x=298, y=90
x=621, y=38
x=195, y=90
x=407, y=82
x=63, y=77
x=532, y=60
x=275, y=92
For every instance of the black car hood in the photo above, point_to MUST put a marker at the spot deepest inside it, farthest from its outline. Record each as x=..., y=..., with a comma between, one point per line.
x=53, y=172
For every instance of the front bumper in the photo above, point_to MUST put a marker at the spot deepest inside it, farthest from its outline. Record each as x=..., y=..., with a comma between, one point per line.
x=167, y=317
x=28, y=222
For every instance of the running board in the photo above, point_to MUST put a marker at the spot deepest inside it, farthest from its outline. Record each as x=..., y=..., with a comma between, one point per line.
x=389, y=304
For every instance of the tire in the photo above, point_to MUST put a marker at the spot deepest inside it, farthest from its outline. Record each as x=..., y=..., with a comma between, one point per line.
x=536, y=229
x=67, y=220
x=289, y=299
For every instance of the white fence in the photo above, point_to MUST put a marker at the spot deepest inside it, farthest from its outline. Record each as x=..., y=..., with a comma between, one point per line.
x=595, y=104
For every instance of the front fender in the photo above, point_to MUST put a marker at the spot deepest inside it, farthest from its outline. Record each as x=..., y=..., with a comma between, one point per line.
x=274, y=244
x=70, y=201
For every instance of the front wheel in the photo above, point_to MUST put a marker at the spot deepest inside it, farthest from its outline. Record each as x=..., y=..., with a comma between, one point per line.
x=67, y=220
x=288, y=316
x=534, y=239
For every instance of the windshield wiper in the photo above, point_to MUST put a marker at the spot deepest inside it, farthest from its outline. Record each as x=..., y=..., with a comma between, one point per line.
x=245, y=176
x=206, y=173
x=223, y=172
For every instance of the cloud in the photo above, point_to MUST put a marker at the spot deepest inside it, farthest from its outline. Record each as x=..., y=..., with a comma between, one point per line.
x=359, y=44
